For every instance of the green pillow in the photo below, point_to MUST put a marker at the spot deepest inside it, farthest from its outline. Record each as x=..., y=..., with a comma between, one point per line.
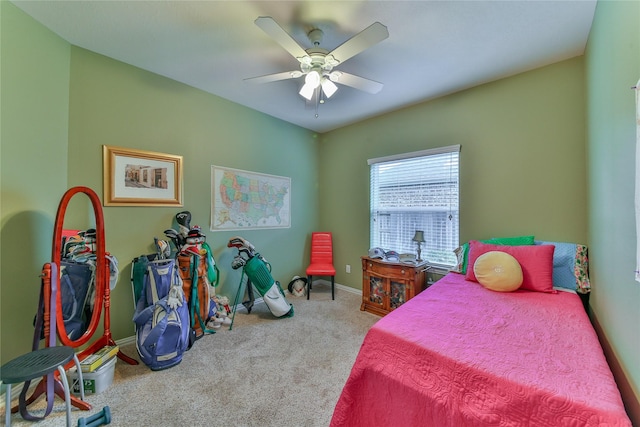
x=511, y=241
x=463, y=251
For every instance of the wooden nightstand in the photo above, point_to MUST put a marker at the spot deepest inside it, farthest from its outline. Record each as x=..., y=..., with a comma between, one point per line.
x=387, y=285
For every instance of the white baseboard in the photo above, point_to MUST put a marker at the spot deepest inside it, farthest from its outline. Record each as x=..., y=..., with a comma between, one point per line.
x=126, y=341
x=339, y=286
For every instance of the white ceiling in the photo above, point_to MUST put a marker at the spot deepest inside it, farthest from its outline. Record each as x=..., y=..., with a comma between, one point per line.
x=434, y=47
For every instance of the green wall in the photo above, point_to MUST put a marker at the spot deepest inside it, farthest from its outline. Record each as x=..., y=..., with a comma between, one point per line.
x=52, y=137
x=34, y=103
x=522, y=160
x=112, y=103
x=612, y=67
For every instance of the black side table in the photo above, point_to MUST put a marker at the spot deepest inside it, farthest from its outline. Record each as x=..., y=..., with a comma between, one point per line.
x=37, y=364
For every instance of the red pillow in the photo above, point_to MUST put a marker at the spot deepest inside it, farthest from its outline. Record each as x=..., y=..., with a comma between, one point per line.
x=536, y=262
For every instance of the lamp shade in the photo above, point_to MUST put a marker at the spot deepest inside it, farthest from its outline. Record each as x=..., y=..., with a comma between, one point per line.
x=307, y=91
x=419, y=236
x=312, y=79
x=311, y=82
x=328, y=87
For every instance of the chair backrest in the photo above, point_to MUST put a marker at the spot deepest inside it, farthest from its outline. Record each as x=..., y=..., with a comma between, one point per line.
x=321, y=247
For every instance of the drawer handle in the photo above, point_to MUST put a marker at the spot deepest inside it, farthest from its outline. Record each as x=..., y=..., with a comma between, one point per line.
x=402, y=271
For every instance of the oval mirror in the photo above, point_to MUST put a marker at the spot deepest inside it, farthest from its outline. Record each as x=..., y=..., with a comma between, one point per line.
x=80, y=257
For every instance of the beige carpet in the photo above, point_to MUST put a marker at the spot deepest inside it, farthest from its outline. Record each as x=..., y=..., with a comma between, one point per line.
x=264, y=372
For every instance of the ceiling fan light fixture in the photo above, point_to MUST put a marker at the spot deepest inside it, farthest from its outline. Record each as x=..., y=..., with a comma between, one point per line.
x=328, y=87
x=312, y=79
x=311, y=83
x=307, y=91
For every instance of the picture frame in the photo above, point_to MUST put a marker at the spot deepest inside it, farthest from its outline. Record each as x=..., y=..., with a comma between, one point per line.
x=141, y=178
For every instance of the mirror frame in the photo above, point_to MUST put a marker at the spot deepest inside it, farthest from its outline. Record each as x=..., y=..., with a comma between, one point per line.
x=102, y=273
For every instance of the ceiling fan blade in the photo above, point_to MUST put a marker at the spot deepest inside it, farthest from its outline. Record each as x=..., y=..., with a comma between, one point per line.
x=368, y=37
x=283, y=38
x=275, y=77
x=356, y=82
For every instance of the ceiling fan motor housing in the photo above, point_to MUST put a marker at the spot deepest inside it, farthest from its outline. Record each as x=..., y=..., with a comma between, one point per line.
x=319, y=60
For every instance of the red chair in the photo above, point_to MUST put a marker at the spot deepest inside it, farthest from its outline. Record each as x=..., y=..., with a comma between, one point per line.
x=321, y=259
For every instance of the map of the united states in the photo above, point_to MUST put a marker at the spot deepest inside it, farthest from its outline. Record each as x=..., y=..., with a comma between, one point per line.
x=249, y=200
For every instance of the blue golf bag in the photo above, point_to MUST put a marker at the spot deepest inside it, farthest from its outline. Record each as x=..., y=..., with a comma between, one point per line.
x=162, y=317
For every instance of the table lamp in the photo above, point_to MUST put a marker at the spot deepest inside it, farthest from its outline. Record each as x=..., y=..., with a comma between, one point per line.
x=419, y=239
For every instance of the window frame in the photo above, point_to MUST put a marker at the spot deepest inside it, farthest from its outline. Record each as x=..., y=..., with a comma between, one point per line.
x=441, y=238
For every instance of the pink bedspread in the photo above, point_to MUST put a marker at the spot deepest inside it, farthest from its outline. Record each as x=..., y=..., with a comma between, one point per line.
x=460, y=355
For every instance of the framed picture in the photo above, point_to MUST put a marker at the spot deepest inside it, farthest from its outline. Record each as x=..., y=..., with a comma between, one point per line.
x=141, y=178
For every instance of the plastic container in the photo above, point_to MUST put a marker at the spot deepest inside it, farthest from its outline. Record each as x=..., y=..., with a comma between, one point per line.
x=94, y=382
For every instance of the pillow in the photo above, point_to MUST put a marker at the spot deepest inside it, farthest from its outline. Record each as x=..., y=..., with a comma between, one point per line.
x=462, y=252
x=461, y=258
x=536, y=262
x=570, y=266
x=498, y=271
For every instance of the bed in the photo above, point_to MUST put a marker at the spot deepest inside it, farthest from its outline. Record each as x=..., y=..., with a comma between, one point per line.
x=460, y=354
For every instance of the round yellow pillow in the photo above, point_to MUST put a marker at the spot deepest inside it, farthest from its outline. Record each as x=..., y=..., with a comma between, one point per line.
x=498, y=271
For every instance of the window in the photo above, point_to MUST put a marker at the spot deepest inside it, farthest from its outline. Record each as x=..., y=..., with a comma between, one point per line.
x=417, y=191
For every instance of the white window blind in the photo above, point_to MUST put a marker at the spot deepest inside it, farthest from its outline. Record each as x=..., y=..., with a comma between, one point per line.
x=417, y=191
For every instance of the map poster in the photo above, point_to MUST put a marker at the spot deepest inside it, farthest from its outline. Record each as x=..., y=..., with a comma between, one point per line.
x=243, y=200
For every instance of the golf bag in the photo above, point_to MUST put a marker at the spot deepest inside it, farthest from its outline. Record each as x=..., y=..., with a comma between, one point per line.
x=139, y=269
x=77, y=280
x=161, y=317
x=195, y=284
x=77, y=286
x=198, y=271
x=258, y=274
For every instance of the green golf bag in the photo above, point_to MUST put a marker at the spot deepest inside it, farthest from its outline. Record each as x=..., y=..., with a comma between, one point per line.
x=272, y=294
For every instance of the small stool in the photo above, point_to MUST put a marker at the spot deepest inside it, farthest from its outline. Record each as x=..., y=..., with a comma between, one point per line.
x=36, y=364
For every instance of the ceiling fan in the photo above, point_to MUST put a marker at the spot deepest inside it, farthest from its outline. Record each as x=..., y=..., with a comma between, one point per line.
x=317, y=64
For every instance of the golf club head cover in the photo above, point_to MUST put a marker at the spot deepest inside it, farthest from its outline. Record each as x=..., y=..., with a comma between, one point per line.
x=184, y=222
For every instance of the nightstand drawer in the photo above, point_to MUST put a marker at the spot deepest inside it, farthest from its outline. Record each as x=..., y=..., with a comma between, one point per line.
x=390, y=270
